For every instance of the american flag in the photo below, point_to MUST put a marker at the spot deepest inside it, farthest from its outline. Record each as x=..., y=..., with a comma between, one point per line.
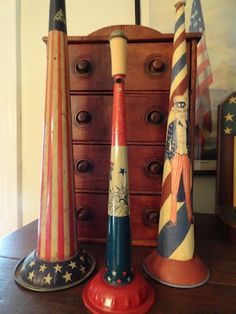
x=203, y=119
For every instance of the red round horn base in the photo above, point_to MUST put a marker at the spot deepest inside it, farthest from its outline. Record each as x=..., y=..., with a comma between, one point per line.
x=137, y=297
x=180, y=274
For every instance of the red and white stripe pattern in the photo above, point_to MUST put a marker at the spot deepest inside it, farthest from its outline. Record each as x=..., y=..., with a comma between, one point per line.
x=57, y=225
x=204, y=74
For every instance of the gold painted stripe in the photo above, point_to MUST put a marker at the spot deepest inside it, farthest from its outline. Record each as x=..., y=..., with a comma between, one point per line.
x=179, y=52
x=179, y=32
x=166, y=171
x=43, y=210
x=178, y=79
x=54, y=226
x=165, y=212
x=185, y=250
x=179, y=12
x=65, y=153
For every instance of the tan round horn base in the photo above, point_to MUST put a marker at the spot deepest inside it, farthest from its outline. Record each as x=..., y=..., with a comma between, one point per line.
x=36, y=274
x=181, y=274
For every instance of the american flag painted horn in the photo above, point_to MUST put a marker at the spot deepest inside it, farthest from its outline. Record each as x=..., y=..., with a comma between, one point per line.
x=174, y=261
x=57, y=263
x=114, y=289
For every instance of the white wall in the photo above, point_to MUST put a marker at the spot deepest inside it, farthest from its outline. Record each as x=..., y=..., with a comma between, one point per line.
x=9, y=119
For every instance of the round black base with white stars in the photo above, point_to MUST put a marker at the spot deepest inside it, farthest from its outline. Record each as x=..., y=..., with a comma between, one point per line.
x=40, y=275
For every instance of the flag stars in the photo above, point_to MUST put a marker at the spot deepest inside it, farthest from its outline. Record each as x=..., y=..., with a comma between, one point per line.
x=48, y=279
x=232, y=100
x=82, y=270
x=109, y=278
x=229, y=117
x=67, y=277
x=113, y=273
x=57, y=268
x=118, y=281
x=42, y=268
x=227, y=131
x=122, y=171
x=82, y=259
x=31, y=275
x=73, y=265
x=32, y=263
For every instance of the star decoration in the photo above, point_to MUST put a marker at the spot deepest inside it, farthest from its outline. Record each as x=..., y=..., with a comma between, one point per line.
x=73, y=265
x=67, y=277
x=109, y=278
x=57, y=268
x=229, y=117
x=48, y=279
x=118, y=281
x=128, y=279
x=82, y=269
x=82, y=258
x=122, y=171
x=42, y=268
x=32, y=263
x=31, y=275
x=227, y=131
x=232, y=100
x=124, y=273
x=23, y=268
x=113, y=273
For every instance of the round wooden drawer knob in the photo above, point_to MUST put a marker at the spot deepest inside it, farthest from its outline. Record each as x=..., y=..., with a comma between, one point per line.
x=154, y=168
x=83, y=67
x=83, y=214
x=156, y=65
x=151, y=217
x=154, y=117
x=84, y=166
x=83, y=117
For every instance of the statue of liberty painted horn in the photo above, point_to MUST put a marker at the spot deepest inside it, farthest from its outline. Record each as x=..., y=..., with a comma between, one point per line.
x=56, y=264
x=174, y=262
x=117, y=289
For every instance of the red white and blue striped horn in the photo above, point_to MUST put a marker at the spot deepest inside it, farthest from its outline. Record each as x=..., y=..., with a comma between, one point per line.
x=57, y=263
x=174, y=262
x=117, y=288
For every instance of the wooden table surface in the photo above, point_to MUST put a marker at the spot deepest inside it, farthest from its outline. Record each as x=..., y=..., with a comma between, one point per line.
x=217, y=296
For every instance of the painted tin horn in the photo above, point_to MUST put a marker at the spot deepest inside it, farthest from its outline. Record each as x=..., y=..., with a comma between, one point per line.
x=174, y=261
x=117, y=288
x=57, y=263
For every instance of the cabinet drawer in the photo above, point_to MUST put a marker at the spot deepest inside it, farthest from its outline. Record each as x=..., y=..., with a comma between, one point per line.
x=92, y=164
x=92, y=217
x=146, y=117
x=148, y=66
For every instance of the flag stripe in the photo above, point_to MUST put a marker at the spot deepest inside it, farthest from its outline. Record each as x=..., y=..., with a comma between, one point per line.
x=60, y=156
x=48, y=192
x=54, y=159
x=204, y=74
x=57, y=232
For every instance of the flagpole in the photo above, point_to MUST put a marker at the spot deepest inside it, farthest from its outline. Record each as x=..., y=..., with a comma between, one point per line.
x=137, y=12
